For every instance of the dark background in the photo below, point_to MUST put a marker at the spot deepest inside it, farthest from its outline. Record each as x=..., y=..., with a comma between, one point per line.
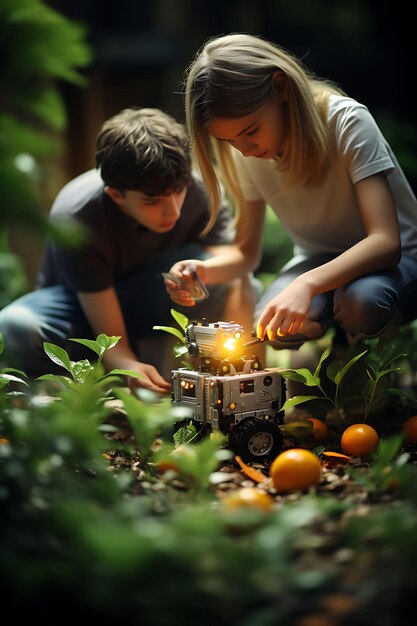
x=141, y=49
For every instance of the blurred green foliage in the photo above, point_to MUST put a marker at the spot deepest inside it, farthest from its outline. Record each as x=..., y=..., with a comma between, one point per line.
x=39, y=47
x=81, y=540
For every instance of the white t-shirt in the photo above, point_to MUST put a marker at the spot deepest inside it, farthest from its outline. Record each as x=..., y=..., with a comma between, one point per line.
x=326, y=218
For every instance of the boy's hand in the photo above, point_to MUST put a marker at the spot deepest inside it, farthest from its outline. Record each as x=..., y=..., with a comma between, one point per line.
x=184, y=282
x=150, y=379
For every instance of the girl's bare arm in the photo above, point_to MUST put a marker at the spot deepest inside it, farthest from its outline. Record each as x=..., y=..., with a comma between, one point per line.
x=380, y=249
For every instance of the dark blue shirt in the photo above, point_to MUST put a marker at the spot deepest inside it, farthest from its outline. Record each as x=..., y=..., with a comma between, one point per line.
x=116, y=244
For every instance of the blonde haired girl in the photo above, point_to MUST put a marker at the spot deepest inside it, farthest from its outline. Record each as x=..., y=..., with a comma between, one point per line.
x=274, y=134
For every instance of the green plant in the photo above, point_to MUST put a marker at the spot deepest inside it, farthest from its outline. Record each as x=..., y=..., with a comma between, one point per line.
x=314, y=379
x=108, y=543
x=147, y=420
x=39, y=47
x=13, y=281
x=389, y=470
x=9, y=375
x=85, y=375
x=379, y=363
x=370, y=370
x=196, y=463
x=182, y=321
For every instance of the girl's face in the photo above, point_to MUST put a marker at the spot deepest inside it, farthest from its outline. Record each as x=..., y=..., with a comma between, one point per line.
x=262, y=134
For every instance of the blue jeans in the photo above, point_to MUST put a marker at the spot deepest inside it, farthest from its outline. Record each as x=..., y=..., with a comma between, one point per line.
x=362, y=308
x=53, y=314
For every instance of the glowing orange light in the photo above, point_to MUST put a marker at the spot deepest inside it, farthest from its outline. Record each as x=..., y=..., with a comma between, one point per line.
x=230, y=344
x=237, y=335
x=232, y=406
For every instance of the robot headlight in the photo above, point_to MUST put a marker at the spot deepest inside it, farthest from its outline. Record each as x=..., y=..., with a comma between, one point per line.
x=230, y=344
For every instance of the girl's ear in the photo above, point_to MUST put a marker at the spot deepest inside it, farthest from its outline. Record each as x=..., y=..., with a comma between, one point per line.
x=116, y=195
x=280, y=85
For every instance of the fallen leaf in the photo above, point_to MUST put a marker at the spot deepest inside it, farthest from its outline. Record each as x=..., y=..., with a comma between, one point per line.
x=333, y=458
x=300, y=430
x=251, y=472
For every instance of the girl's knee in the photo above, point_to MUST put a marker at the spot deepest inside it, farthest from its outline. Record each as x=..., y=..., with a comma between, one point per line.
x=362, y=311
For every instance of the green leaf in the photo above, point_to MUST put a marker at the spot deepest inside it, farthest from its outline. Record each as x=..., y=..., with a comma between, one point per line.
x=58, y=355
x=172, y=331
x=108, y=342
x=403, y=393
x=48, y=106
x=100, y=345
x=389, y=351
x=388, y=448
x=292, y=375
x=389, y=371
x=298, y=400
x=301, y=375
x=179, y=350
x=298, y=429
x=318, y=450
x=322, y=359
x=106, y=380
x=342, y=373
x=10, y=377
x=90, y=343
x=310, y=379
x=133, y=373
x=13, y=370
x=181, y=319
x=82, y=371
x=185, y=434
x=145, y=419
x=55, y=378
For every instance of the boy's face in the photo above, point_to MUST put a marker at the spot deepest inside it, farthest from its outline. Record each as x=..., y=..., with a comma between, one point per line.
x=157, y=213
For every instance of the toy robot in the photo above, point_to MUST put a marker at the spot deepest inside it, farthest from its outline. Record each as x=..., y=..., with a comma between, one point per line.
x=229, y=392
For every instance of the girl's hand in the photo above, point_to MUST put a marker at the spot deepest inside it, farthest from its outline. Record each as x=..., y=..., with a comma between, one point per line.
x=181, y=269
x=285, y=314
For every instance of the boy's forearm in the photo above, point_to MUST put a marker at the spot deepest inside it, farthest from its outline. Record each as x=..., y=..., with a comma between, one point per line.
x=104, y=314
x=120, y=356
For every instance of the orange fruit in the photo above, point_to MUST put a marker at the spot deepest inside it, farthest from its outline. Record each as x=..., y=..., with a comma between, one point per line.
x=249, y=498
x=359, y=440
x=410, y=429
x=166, y=466
x=295, y=469
x=320, y=432
x=181, y=460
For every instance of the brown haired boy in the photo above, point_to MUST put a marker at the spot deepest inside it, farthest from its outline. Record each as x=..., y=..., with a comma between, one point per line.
x=143, y=210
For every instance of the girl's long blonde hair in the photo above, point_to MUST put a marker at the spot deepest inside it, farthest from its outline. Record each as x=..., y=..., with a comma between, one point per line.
x=232, y=76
